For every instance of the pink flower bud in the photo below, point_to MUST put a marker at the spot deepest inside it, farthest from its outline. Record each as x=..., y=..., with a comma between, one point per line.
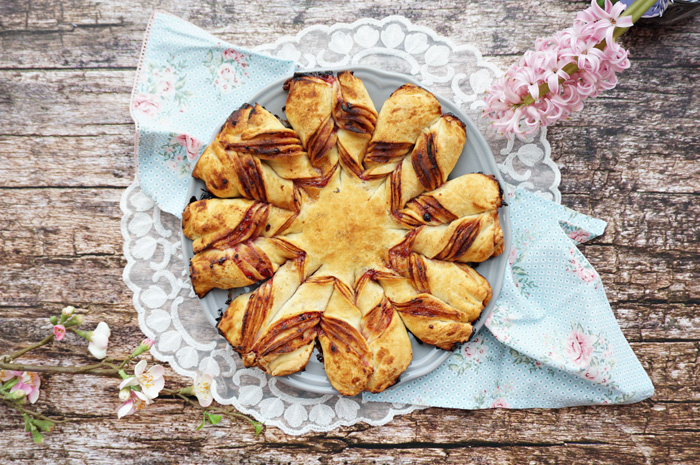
x=59, y=332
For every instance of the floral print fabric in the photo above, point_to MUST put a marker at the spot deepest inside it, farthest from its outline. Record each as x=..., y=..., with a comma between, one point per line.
x=187, y=84
x=552, y=339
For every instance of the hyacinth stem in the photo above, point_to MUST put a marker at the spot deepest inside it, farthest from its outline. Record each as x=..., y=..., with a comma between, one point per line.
x=636, y=10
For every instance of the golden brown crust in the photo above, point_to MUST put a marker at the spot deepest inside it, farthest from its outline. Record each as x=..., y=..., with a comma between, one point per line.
x=309, y=110
x=356, y=118
x=254, y=130
x=474, y=238
x=385, y=333
x=221, y=223
x=466, y=195
x=434, y=156
x=239, y=265
x=228, y=174
x=346, y=354
x=402, y=118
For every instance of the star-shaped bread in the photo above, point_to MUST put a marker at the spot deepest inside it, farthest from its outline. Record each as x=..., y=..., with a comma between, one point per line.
x=349, y=224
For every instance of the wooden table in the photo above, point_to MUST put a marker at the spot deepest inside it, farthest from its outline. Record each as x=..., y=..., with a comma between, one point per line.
x=632, y=158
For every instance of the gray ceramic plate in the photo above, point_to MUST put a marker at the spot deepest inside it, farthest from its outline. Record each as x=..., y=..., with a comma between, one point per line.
x=476, y=157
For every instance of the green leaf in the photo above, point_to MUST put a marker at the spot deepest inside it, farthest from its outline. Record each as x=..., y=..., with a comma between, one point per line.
x=180, y=84
x=204, y=421
x=214, y=419
x=27, y=422
x=44, y=425
x=37, y=437
x=258, y=427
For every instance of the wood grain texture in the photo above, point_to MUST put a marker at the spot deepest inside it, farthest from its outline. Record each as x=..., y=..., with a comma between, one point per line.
x=631, y=157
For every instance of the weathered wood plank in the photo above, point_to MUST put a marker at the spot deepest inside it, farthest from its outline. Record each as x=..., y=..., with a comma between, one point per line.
x=60, y=223
x=631, y=157
x=643, y=432
x=87, y=34
x=55, y=103
x=83, y=161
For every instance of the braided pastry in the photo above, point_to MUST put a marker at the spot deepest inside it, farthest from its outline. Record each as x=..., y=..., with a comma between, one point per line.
x=351, y=224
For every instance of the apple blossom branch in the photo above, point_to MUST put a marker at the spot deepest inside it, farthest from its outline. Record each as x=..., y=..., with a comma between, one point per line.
x=20, y=382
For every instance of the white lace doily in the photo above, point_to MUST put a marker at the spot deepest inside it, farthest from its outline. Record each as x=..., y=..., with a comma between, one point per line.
x=168, y=309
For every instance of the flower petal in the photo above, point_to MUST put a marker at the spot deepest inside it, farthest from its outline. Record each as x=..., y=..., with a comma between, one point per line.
x=131, y=381
x=157, y=371
x=140, y=367
x=127, y=408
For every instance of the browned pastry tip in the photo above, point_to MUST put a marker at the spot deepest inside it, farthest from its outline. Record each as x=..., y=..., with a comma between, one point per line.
x=346, y=354
x=466, y=195
x=309, y=109
x=473, y=238
x=238, y=265
x=356, y=117
x=403, y=116
x=385, y=333
x=222, y=223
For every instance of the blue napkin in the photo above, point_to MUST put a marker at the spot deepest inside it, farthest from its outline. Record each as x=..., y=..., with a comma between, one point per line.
x=552, y=340
x=187, y=84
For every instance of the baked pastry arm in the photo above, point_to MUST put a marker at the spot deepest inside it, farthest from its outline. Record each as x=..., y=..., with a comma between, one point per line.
x=239, y=265
x=255, y=131
x=385, y=333
x=355, y=117
x=346, y=355
x=225, y=222
x=466, y=195
x=248, y=315
x=403, y=116
x=434, y=156
x=456, y=284
x=228, y=174
x=309, y=110
x=473, y=238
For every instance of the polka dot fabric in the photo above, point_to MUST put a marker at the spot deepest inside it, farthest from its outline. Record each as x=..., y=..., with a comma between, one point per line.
x=187, y=84
x=552, y=340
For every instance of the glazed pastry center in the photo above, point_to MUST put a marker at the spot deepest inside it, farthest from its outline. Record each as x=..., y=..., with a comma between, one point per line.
x=349, y=228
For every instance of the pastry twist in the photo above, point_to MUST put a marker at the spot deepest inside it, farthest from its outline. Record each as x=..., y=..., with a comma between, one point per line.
x=309, y=109
x=403, y=116
x=239, y=265
x=356, y=118
x=219, y=223
x=433, y=157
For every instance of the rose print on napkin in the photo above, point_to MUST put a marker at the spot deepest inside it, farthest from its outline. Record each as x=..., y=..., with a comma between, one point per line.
x=180, y=153
x=582, y=269
x=518, y=252
x=495, y=397
x=470, y=357
x=162, y=88
x=227, y=68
